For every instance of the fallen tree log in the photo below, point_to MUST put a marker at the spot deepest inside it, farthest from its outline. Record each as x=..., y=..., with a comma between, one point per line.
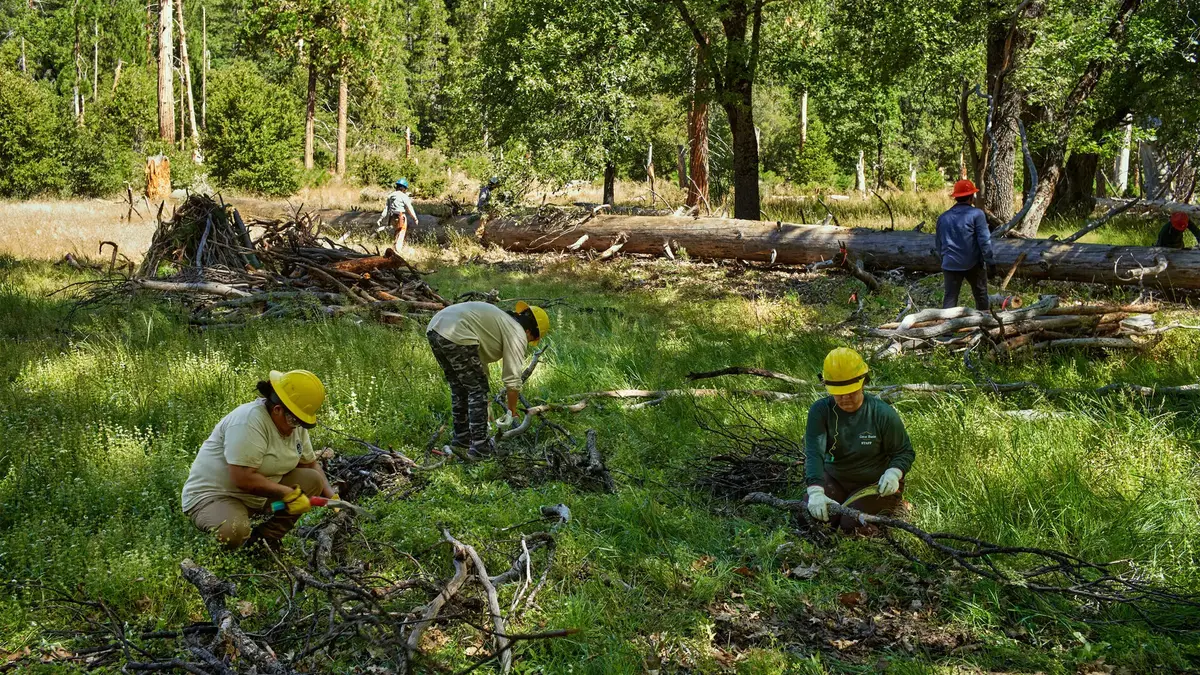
x=788, y=244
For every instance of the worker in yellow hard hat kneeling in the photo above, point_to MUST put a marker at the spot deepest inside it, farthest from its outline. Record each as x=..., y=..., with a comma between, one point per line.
x=259, y=462
x=465, y=338
x=854, y=442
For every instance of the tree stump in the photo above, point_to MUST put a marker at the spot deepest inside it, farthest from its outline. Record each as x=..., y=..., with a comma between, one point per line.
x=158, y=178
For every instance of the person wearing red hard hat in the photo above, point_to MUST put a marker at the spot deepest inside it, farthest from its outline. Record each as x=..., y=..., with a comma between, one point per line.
x=964, y=243
x=1171, y=234
x=259, y=463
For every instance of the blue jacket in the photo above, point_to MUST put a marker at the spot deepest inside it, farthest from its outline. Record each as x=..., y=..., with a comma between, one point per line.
x=963, y=239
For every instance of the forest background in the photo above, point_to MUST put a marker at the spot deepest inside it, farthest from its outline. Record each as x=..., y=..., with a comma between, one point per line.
x=747, y=98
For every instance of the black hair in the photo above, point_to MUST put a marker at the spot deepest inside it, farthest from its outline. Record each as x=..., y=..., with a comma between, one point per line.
x=528, y=321
x=267, y=391
x=965, y=199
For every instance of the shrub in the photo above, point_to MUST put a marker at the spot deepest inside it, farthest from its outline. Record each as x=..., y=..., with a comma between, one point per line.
x=254, y=132
x=31, y=138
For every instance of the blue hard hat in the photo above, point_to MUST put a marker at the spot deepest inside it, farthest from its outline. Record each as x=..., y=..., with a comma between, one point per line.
x=402, y=183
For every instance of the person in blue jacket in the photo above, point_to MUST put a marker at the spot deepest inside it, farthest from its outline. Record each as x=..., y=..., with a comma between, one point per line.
x=964, y=244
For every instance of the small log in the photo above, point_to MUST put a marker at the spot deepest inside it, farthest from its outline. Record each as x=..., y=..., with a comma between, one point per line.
x=389, y=260
x=202, y=287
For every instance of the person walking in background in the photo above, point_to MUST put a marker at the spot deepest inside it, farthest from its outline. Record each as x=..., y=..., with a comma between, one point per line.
x=259, y=462
x=964, y=244
x=1171, y=234
x=853, y=441
x=397, y=211
x=465, y=338
x=485, y=194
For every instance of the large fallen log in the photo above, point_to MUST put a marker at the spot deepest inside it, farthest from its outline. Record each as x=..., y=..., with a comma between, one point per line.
x=789, y=244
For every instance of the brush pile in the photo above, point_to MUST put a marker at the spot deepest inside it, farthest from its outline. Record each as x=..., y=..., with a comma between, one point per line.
x=1045, y=324
x=233, y=272
x=337, y=609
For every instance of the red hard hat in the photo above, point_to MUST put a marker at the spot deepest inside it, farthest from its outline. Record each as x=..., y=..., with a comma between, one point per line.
x=1179, y=220
x=963, y=188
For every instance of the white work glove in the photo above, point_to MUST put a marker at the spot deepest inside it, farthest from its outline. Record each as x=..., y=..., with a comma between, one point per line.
x=505, y=421
x=818, y=503
x=889, y=482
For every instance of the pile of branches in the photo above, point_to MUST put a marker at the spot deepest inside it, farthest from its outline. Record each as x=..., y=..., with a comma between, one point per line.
x=1045, y=324
x=550, y=453
x=335, y=609
x=752, y=458
x=287, y=269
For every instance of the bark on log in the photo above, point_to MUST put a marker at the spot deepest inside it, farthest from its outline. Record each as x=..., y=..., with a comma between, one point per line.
x=389, y=260
x=717, y=238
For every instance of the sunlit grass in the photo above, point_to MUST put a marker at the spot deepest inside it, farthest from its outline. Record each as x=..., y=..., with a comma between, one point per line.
x=103, y=411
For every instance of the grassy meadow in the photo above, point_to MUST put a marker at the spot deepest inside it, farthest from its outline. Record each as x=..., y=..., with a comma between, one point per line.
x=102, y=412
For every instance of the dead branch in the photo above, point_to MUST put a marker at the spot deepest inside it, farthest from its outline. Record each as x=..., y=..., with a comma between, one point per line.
x=1099, y=222
x=746, y=370
x=1033, y=569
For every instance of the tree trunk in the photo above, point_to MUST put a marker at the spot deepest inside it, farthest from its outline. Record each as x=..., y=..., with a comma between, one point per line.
x=1056, y=152
x=610, y=183
x=803, y=119
x=310, y=109
x=745, y=157
x=681, y=166
x=343, y=104
x=95, y=60
x=697, y=194
x=1151, y=172
x=721, y=238
x=76, y=96
x=1005, y=41
x=650, y=168
x=860, y=174
x=151, y=34
x=203, y=67
x=187, y=75
x=166, y=72
x=1122, y=168
x=1076, y=195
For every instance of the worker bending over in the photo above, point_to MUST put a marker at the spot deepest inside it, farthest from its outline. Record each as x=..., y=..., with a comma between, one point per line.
x=853, y=440
x=964, y=244
x=1171, y=234
x=397, y=211
x=464, y=339
x=259, y=462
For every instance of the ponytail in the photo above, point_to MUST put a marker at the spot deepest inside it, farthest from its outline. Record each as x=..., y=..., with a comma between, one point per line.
x=528, y=321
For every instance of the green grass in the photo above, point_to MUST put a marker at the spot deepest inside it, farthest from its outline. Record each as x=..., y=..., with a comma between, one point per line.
x=102, y=413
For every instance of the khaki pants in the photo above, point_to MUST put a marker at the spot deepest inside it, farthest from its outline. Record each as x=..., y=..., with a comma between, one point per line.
x=229, y=517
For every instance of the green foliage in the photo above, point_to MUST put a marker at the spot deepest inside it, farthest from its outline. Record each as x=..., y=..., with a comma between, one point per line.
x=254, y=132
x=426, y=172
x=31, y=142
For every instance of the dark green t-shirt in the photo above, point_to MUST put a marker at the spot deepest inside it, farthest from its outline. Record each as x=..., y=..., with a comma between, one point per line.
x=855, y=448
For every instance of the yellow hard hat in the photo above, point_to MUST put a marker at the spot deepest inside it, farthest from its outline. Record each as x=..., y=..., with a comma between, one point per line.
x=301, y=393
x=844, y=371
x=543, y=319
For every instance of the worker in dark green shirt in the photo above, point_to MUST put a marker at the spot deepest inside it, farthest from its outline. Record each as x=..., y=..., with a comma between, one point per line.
x=853, y=440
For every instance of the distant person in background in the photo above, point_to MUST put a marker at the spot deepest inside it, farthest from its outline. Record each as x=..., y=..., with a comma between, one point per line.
x=1171, y=234
x=397, y=211
x=853, y=441
x=485, y=193
x=964, y=244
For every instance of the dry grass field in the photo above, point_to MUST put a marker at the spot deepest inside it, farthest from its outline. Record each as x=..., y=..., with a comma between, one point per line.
x=51, y=229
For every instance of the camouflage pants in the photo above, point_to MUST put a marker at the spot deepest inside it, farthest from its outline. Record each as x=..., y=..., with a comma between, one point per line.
x=468, y=380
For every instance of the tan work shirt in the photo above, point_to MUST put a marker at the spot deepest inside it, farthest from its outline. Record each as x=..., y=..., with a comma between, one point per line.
x=494, y=330
x=244, y=437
